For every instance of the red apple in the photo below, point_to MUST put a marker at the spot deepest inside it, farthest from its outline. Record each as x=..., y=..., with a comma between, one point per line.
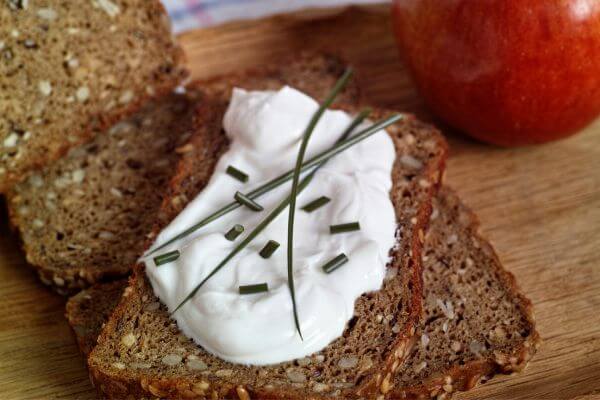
x=509, y=72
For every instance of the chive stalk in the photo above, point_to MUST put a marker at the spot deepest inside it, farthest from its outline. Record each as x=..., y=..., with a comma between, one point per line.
x=344, y=228
x=340, y=84
x=276, y=182
x=269, y=249
x=253, y=289
x=166, y=258
x=237, y=174
x=234, y=232
x=335, y=263
x=316, y=204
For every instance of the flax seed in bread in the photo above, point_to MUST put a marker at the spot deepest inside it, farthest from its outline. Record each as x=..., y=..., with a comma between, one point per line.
x=69, y=70
x=449, y=354
x=359, y=363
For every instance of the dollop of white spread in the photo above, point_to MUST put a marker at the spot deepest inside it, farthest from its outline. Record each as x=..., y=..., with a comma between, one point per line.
x=265, y=130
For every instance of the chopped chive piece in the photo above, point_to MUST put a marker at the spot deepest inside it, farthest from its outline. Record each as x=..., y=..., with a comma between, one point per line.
x=166, y=258
x=253, y=289
x=343, y=228
x=319, y=159
x=335, y=263
x=237, y=174
x=247, y=201
x=269, y=249
x=234, y=232
x=316, y=203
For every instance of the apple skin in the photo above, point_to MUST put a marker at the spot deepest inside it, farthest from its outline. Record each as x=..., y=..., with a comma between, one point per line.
x=508, y=72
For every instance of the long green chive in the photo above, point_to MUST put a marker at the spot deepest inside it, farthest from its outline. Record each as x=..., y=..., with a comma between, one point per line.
x=253, y=289
x=269, y=249
x=343, y=228
x=234, y=232
x=237, y=174
x=335, y=263
x=269, y=218
x=247, y=201
x=166, y=258
x=322, y=157
x=341, y=83
x=316, y=203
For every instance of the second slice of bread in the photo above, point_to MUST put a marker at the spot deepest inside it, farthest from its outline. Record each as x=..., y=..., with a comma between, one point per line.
x=84, y=218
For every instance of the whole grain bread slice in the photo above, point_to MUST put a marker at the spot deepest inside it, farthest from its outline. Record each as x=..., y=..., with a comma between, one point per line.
x=142, y=353
x=68, y=71
x=486, y=335
x=85, y=218
x=477, y=323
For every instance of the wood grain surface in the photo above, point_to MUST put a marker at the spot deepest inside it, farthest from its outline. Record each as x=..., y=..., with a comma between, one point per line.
x=540, y=206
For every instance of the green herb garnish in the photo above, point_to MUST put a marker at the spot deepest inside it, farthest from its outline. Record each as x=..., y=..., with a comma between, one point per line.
x=247, y=201
x=269, y=218
x=253, y=289
x=237, y=174
x=343, y=228
x=234, y=232
x=269, y=249
x=259, y=228
x=316, y=203
x=318, y=159
x=166, y=258
x=340, y=84
x=335, y=263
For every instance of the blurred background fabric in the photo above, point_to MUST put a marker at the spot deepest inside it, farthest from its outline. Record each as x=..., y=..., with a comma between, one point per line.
x=190, y=14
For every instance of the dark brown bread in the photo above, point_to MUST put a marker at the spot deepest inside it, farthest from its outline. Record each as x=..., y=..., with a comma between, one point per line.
x=68, y=71
x=124, y=176
x=477, y=323
x=142, y=353
x=437, y=355
x=84, y=218
x=89, y=309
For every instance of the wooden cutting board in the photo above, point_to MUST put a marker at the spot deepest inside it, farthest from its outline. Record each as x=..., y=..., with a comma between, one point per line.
x=540, y=206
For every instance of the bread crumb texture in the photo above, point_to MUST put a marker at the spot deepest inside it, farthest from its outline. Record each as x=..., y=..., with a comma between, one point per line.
x=85, y=217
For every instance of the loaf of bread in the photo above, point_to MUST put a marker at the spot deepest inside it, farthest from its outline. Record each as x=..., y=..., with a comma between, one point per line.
x=69, y=70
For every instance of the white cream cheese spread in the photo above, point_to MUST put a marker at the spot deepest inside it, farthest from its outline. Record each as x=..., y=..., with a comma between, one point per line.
x=265, y=129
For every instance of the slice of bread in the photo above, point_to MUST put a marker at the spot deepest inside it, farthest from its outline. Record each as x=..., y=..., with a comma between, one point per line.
x=89, y=309
x=486, y=334
x=142, y=353
x=67, y=71
x=124, y=176
x=84, y=218
x=477, y=323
